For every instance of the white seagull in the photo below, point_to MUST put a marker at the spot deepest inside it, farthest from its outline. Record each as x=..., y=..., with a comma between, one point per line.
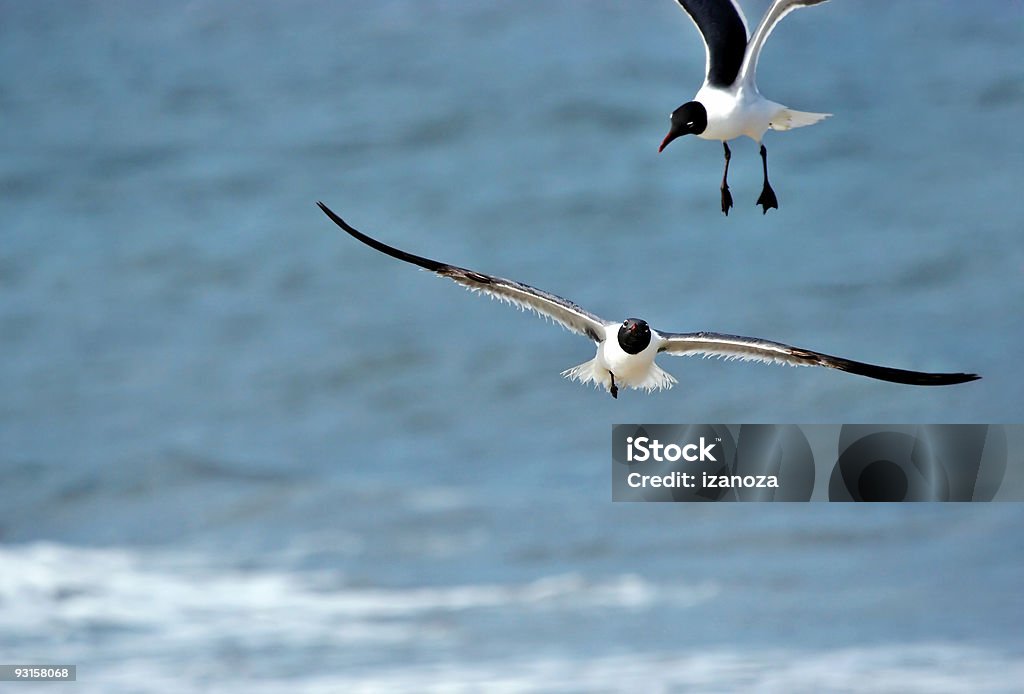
x=626, y=350
x=729, y=104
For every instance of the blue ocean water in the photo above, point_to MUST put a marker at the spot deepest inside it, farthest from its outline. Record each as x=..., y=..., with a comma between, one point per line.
x=241, y=452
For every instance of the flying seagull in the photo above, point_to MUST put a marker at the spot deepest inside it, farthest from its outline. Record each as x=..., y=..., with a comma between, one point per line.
x=729, y=104
x=626, y=350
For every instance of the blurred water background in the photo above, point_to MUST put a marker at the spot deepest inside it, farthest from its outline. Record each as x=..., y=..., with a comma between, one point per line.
x=241, y=452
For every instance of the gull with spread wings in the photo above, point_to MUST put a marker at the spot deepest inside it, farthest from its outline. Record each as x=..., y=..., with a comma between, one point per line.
x=626, y=350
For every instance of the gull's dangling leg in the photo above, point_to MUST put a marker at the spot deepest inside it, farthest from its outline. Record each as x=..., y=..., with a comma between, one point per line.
x=767, y=199
x=726, y=195
x=614, y=390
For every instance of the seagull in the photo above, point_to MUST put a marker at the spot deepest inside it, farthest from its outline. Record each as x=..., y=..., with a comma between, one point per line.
x=729, y=104
x=626, y=350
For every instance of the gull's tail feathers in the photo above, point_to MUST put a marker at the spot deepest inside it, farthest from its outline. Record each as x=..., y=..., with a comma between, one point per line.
x=787, y=119
x=592, y=372
x=589, y=372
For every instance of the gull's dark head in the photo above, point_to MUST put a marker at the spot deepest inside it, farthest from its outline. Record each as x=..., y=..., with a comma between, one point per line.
x=689, y=119
x=634, y=335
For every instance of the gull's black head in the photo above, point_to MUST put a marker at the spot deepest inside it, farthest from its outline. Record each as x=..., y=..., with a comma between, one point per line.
x=689, y=119
x=634, y=335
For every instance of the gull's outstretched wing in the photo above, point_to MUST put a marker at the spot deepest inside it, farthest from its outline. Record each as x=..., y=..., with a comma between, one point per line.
x=721, y=24
x=755, y=349
x=559, y=310
x=778, y=10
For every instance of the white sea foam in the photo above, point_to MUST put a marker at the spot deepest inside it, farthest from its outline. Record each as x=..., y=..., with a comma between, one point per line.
x=889, y=669
x=152, y=608
x=157, y=621
x=47, y=580
x=886, y=669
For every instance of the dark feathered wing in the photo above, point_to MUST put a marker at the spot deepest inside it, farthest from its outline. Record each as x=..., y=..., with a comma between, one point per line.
x=559, y=310
x=721, y=24
x=750, y=348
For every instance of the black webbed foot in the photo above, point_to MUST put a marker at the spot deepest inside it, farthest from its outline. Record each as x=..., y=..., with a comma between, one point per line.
x=726, y=199
x=768, y=199
x=614, y=390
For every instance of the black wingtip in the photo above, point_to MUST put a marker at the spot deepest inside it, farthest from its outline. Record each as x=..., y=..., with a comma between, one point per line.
x=885, y=373
x=945, y=379
x=337, y=220
x=911, y=378
x=425, y=263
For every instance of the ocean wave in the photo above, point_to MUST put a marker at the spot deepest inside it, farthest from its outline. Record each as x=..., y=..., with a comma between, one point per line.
x=890, y=668
x=112, y=597
x=145, y=620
